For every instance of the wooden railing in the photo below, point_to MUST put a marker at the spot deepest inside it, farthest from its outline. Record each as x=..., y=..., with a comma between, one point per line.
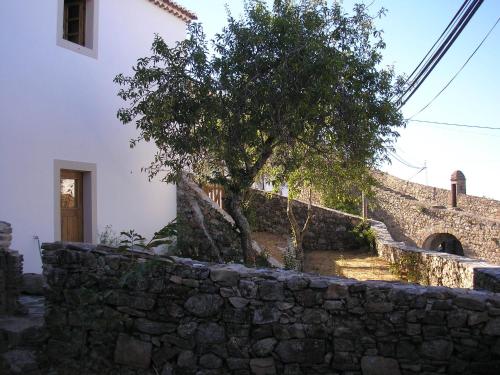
x=215, y=192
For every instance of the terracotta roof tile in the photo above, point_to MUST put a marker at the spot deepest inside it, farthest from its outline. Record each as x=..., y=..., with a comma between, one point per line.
x=176, y=9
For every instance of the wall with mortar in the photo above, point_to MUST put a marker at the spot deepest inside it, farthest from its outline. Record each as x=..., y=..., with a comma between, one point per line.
x=483, y=207
x=111, y=312
x=412, y=221
x=329, y=229
x=433, y=267
x=11, y=271
x=205, y=231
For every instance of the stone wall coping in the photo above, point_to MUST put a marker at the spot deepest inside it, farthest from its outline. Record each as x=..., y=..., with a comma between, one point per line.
x=221, y=272
x=314, y=205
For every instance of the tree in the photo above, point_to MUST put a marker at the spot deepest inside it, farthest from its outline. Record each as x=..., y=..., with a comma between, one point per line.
x=331, y=177
x=278, y=78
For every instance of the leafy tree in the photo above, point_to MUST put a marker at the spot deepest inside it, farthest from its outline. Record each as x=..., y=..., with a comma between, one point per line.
x=278, y=78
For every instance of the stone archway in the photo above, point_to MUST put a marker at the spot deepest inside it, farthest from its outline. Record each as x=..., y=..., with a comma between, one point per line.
x=443, y=242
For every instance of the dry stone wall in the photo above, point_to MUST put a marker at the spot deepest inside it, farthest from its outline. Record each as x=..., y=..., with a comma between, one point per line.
x=11, y=271
x=205, y=231
x=435, y=268
x=412, y=221
x=482, y=207
x=329, y=229
x=111, y=312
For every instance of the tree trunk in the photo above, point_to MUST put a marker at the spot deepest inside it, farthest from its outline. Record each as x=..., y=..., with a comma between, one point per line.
x=233, y=206
x=298, y=234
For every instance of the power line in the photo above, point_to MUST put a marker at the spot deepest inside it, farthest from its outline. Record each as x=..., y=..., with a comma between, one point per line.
x=437, y=41
x=460, y=20
x=454, y=124
x=402, y=161
x=458, y=72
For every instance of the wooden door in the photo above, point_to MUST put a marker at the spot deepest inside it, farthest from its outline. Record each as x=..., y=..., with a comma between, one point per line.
x=71, y=195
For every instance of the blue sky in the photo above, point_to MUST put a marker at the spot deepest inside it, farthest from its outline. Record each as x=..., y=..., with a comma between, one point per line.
x=410, y=28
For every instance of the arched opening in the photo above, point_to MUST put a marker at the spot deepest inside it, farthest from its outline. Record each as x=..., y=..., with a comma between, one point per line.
x=444, y=242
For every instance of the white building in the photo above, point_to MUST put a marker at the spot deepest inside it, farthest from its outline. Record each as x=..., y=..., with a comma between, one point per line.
x=58, y=125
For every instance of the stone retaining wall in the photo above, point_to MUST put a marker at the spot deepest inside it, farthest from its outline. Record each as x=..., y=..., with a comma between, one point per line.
x=111, y=312
x=205, y=231
x=329, y=229
x=11, y=271
x=483, y=207
x=413, y=222
x=436, y=268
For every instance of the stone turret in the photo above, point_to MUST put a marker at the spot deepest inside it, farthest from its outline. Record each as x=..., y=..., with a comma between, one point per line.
x=458, y=178
x=457, y=186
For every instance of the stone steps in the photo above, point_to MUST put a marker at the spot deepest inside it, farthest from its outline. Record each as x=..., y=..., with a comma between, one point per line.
x=21, y=337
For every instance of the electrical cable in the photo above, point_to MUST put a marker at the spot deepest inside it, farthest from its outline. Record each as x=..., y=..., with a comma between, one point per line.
x=437, y=41
x=402, y=161
x=458, y=72
x=454, y=124
x=441, y=51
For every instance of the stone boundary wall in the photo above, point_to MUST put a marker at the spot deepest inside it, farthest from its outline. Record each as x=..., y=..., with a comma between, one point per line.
x=329, y=229
x=11, y=271
x=436, y=268
x=412, y=221
x=482, y=207
x=205, y=231
x=111, y=312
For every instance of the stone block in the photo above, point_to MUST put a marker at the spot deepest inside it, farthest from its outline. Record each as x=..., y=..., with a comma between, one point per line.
x=204, y=305
x=132, y=352
x=225, y=277
x=374, y=365
x=263, y=366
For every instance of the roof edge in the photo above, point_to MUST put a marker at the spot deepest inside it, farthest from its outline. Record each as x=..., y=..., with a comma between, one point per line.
x=176, y=10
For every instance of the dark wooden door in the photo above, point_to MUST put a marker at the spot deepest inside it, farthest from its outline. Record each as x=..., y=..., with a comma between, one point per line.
x=71, y=195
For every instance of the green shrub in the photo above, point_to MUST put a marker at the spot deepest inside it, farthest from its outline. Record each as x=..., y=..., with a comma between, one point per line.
x=364, y=235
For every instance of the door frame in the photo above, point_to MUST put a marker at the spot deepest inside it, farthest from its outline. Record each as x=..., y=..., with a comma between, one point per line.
x=89, y=185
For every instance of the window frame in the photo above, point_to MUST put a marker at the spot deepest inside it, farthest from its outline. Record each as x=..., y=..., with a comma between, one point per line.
x=91, y=29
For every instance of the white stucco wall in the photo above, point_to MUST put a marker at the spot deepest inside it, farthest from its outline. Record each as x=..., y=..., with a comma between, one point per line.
x=59, y=104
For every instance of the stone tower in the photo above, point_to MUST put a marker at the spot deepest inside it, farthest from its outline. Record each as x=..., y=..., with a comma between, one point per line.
x=457, y=186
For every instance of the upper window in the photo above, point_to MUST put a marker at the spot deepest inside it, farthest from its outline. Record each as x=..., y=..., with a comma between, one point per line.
x=74, y=21
x=77, y=26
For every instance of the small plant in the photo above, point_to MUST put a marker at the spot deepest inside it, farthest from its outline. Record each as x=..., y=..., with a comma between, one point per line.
x=165, y=236
x=131, y=239
x=408, y=267
x=289, y=258
x=108, y=237
x=364, y=234
x=262, y=259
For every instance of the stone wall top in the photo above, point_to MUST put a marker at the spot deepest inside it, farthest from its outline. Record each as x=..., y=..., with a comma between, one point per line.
x=478, y=206
x=5, y=235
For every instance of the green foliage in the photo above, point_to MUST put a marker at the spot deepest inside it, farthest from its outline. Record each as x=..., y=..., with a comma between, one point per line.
x=364, y=234
x=295, y=81
x=262, y=259
x=108, y=237
x=289, y=257
x=249, y=211
x=131, y=239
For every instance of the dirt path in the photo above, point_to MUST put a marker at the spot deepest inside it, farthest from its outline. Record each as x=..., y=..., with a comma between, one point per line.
x=355, y=264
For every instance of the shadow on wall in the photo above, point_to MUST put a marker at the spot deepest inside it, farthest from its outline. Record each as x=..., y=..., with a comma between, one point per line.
x=443, y=242
x=396, y=231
